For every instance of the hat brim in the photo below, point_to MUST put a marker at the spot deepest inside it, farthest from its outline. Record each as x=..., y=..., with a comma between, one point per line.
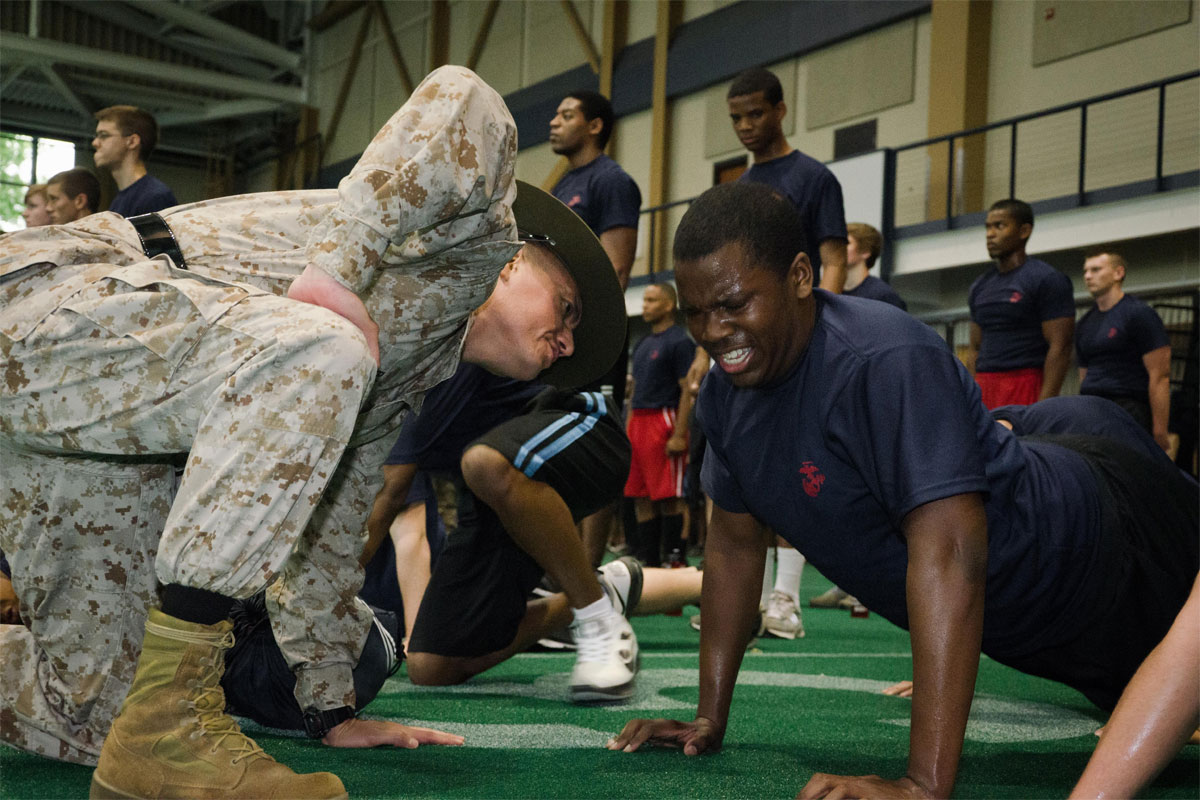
x=600, y=334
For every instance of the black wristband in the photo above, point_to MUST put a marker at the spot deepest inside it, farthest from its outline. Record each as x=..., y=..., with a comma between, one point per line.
x=319, y=723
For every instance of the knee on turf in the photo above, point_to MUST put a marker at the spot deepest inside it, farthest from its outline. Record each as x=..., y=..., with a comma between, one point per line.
x=428, y=669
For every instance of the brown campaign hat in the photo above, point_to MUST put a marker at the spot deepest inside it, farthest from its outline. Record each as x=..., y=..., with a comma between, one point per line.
x=600, y=335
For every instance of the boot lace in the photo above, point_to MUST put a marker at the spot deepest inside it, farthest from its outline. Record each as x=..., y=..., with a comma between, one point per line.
x=209, y=704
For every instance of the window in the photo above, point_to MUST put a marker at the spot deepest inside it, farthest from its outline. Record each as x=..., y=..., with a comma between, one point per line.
x=26, y=160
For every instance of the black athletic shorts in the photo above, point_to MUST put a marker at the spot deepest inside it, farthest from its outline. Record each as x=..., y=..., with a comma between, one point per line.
x=573, y=442
x=1147, y=558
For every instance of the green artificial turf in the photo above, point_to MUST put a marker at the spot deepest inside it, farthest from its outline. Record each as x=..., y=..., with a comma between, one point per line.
x=801, y=706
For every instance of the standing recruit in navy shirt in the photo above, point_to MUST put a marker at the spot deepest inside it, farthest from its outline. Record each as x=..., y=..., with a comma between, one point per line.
x=125, y=137
x=608, y=200
x=863, y=248
x=756, y=108
x=1022, y=315
x=852, y=430
x=1122, y=347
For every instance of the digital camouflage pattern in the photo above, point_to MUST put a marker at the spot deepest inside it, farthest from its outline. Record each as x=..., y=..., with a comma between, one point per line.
x=115, y=366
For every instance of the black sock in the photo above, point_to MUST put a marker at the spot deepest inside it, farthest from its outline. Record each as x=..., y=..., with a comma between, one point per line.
x=649, y=543
x=195, y=605
x=672, y=533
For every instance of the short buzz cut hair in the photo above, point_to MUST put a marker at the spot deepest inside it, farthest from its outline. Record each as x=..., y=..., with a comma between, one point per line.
x=668, y=290
x=754, y=80
x=594, y=104
x=79, y=181
x=1106, y=250
x=869, y=240
x=1019, y=210
x=760, y=218
x=131, y=120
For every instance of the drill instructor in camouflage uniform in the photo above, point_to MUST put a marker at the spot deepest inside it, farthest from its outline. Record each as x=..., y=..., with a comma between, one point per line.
x=270, y=354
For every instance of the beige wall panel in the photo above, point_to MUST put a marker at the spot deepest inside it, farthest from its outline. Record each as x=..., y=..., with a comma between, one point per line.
x=500, y=62
x=719, y=139
x=1048, y=157
x=1017, y=87
x=1121, y=141
x=534, y=163
x=550, y=44
x=1065, y=29
x=698, y=8
x=690, y=164
x=390, y=91
x=357, y=124
x=633, y=154
x=642, y=20
x=1181, y=130
x=861, y=76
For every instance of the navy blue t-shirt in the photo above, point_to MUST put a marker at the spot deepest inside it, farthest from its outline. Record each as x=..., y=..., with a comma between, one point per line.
x=660, y=360
x=602, y=194
x=455, y=413
x=1009, y=309
x=143, y=196
x=1110, y=345
x=873, y=288
x=877, y=418
x=814, y=191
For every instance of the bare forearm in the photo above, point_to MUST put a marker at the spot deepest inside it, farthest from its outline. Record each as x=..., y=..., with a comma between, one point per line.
x=729, y=598
x=1054, y=369
x=1160, y=406
x=1154, y=717
x=833, y=265
x=945, y=588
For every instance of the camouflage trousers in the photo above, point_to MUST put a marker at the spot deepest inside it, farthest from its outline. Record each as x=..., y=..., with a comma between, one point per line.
x=111, y=375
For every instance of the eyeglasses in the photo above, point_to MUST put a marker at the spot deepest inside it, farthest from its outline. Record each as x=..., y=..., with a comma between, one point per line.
x=102, y=135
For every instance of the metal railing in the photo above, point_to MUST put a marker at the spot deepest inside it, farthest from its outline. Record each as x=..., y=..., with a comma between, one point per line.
x=1175, y=163
x=968, y=187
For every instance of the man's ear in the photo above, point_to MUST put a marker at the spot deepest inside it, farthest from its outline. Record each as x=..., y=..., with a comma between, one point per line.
x=781, y=107
x=1025, y=231
x=800, y=276
x=80, y=201
x=595, y=126
x=134, y=142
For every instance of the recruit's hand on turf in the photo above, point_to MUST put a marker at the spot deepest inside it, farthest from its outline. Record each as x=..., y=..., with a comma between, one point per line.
x=696, y=737
x=356, y=732
x=839, y=787
x=901, y=689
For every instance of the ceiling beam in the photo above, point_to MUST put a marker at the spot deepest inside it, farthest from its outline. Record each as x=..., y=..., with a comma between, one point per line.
x=63, y=53
x=12, y=73
x=334, y=12
x=223, y=55
x=197, y=22
x=215, y=111
x=112, y=91
x=60, y=86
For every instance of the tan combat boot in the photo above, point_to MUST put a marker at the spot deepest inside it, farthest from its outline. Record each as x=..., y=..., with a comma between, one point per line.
x=173, y=738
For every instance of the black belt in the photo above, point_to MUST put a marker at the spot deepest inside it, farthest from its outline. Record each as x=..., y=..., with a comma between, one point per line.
x=157, y=238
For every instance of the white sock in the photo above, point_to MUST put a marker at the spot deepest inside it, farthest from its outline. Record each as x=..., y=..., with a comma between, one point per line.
x=787, y=577
x=594, y=610
x=768, y=576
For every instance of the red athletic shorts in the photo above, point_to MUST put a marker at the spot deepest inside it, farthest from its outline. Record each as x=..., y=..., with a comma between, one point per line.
x=1013, y=387
x=652, y=473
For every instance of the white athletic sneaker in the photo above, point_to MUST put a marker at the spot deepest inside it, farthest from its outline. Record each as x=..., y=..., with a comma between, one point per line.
x=833, y=598
x=783, y=617
x=621, y=580
x=606, y=661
